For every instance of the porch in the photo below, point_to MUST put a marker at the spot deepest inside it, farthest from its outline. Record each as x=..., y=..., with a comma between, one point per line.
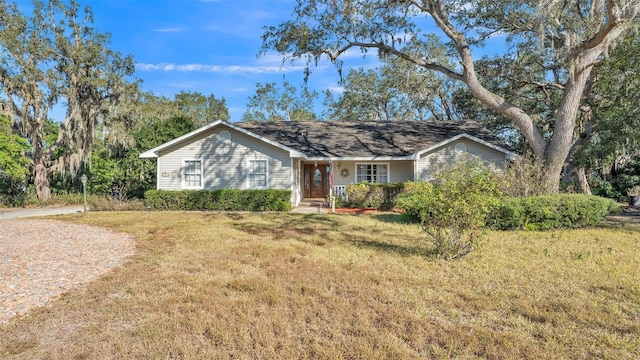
x=315, y=183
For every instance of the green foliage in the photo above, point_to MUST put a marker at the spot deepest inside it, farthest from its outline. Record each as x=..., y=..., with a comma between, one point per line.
x=53, y=55
x=219, y=200
x=453, y=210
x=104, y=173
x=139, y=175
x=272, y=103
x=201, y=109
x=373, y=195
x=398, y=90
x=614, y=109
x=550, y=212
x=108, y=203
x=26, y=196
x=615, y=183
x=413, y=197
x=14, y=165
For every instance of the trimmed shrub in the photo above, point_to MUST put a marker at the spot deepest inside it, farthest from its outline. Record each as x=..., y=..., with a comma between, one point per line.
x=550, y=212
x=219, y=200
x=373, y=195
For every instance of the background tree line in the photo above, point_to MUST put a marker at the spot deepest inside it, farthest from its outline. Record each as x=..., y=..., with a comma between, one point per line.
x=579, y=119
x=53, y=57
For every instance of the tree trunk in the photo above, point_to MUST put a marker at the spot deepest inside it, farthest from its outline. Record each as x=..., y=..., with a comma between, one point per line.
x=578, y=176
x=581, y=180
x=552, y=175
x=562, y=141
x=41, y=180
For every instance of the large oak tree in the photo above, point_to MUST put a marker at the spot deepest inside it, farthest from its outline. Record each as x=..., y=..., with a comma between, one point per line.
x=54, y=57
x=567, y=37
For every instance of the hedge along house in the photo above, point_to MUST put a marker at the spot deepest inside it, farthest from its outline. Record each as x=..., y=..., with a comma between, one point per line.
x=296, y=156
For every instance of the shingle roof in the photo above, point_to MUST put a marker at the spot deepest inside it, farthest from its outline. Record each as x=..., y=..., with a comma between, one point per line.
x=366, y=139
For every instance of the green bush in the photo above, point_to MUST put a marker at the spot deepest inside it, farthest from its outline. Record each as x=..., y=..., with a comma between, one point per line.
x=219, y=200
x=550, y=212
x=26, y=196
x=453, y=209
x=413, y=198
x=108, y=203
x=380, y=196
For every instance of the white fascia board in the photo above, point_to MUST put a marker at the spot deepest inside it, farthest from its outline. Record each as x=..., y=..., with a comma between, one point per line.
x=467, y=136
x=153, y=153
x=359, y=158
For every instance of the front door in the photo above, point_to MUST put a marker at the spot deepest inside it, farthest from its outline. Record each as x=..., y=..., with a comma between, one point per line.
x=315, y=183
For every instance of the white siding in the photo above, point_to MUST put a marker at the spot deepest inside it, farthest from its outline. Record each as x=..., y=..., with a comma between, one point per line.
x=224, y=162
x=399, y=170
x=430, y=163
x=296, y=194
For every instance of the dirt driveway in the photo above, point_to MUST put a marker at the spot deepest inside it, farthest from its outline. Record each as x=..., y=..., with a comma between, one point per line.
x=41, y=259
x=16, y=213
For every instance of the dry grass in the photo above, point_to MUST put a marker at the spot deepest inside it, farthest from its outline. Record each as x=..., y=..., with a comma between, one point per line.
x=248, y=286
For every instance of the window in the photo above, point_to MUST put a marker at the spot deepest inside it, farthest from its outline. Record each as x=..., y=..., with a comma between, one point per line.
x=257, y=174
x=224, y=136
x=460, y=148
x=192, y=174
x=378, y=173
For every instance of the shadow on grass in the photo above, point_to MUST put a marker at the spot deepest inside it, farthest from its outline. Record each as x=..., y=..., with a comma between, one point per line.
x=395, y=218
x=285, y=226
x=325, y=229
x=620, y=222
x=402, y=250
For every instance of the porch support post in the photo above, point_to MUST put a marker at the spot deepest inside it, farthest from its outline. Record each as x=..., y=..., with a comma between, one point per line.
x=332, y=200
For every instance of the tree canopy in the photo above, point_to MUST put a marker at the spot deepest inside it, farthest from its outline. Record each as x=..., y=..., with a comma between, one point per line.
x=13, y=162
x=54, y=56
x=398, y=90
x=565, y=38
x=201, y=109
x=280, y=103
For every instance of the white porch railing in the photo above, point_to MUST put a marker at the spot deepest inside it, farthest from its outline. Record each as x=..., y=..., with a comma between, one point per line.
x=340, y=191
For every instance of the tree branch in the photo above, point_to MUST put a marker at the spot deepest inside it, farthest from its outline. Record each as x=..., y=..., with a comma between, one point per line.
x=617, y=21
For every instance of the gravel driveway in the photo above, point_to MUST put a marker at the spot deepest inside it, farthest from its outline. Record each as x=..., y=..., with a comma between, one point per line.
x=40, y=259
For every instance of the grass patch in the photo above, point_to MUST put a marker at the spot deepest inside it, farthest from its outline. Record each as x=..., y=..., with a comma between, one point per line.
x=207, y=285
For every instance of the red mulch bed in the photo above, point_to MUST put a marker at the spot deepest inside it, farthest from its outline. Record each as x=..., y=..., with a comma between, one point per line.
x=363, y=211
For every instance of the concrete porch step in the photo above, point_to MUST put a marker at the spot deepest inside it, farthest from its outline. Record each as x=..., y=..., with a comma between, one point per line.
x=313, y=203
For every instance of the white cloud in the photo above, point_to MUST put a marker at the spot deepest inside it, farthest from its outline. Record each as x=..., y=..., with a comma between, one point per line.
x=185, y=85
x=229, y=69
x=169, y=29
x=336, y=89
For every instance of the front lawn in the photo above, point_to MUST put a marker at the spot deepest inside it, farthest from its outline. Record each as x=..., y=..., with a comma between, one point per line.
x=264, y=286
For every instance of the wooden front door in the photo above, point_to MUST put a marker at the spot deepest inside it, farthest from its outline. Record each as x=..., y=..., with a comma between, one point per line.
x=314, y=181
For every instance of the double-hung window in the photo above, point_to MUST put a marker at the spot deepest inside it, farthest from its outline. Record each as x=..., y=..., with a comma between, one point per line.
x=192, y=174
x=375, y=173
x=258, y=174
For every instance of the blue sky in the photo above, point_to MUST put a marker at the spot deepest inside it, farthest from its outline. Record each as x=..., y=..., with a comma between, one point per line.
x=211, y=47
x=208, y=46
